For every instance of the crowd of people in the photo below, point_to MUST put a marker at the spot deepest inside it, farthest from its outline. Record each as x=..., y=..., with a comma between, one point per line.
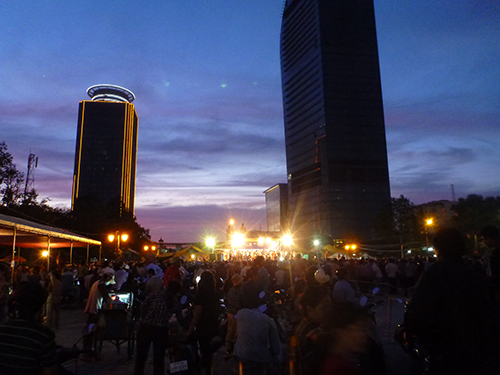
x=452, y=311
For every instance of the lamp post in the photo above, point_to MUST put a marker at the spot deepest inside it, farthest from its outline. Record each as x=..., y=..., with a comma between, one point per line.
x=46, y=254
x=428, y=223
x=210, y=242
x=118, y=237
x=230, y=229
x=352, y=247
x=160, y=245
x=316, y=243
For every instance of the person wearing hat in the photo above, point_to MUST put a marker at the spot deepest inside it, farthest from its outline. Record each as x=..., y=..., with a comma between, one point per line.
x=234, y=302
x=321, y=277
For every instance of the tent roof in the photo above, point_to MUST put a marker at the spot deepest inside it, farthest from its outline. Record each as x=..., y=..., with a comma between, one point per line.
x=33, y=235
x=181, y=253
x=191, y=249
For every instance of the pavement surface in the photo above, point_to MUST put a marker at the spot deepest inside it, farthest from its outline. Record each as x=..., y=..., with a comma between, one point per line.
x=116, y=362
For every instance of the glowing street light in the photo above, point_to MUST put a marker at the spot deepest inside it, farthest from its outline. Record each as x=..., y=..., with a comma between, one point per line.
x=231, y=222
x=116, y=237
x=46, y=254
x=210, y=242
x=316, y=243
x=151, y=248
x=428, y=223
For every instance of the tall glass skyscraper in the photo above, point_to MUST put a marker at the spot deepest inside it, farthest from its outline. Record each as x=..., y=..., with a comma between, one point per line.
x=336, y=151
x=106, y=152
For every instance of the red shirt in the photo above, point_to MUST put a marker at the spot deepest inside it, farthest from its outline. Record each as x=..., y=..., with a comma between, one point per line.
x=172, y=273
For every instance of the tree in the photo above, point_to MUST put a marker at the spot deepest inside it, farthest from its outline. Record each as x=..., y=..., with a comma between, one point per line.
x=406, y=221
x=474, y=212
x=11, y=180
x=399, y=221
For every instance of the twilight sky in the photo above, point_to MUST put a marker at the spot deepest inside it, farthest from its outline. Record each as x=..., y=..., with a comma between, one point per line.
x=206, y=75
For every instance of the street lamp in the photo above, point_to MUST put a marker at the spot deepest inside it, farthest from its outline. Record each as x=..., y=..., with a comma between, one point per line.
x=123, y=237
x=45, y=254
x=210, y=243
x=428, y=223
x=316, y=243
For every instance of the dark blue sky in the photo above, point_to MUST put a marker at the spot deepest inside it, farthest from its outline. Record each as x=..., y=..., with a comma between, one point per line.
x=206, y=75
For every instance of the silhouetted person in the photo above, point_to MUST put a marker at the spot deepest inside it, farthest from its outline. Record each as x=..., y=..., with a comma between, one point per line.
x=451, y=312
x=257, y=341
x=348, y=329
x=26, y=346
x=313, y=338
x=205, y=322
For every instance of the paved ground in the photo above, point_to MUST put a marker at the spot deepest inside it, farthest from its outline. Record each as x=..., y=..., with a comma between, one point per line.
x=388, y=315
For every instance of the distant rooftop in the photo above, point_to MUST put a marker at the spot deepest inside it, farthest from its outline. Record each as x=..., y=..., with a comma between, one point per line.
x=110, y=93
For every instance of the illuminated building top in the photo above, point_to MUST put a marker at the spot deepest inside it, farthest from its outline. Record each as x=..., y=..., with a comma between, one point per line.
x=110, y=93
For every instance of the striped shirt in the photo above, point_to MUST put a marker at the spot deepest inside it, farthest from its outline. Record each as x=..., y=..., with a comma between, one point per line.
x=25, y=347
